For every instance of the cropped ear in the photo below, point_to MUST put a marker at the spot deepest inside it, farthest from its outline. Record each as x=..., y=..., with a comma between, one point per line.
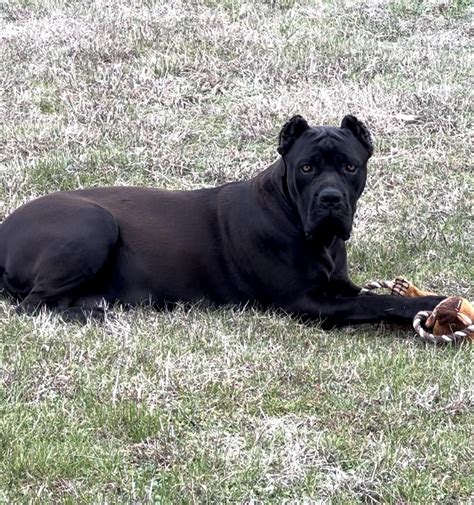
x=290, y=132
x=360, y=132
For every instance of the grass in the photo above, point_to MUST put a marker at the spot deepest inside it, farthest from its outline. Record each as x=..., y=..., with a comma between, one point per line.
x=230, y=405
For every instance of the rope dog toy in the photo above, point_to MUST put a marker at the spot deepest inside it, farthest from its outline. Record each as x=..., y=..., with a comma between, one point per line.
x=451, y=321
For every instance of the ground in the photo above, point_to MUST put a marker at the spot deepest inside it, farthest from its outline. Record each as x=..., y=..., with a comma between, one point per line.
x=231, y=405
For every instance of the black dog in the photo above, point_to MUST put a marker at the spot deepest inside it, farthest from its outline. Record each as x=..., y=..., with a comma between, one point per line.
x=276, y=240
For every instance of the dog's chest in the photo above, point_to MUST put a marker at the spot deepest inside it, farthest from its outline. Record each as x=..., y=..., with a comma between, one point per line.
x=316, y=269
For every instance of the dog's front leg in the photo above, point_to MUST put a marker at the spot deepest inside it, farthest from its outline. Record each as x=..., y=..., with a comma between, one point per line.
x=342, y=287
x=341, y=311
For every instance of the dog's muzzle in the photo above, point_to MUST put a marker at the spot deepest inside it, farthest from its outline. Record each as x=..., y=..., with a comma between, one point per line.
x=331, y=199
x=329, y=214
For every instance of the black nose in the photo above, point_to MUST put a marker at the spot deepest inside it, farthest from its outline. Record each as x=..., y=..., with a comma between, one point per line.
x=330, y=197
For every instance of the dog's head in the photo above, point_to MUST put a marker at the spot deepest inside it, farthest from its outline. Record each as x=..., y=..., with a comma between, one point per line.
x=325, y=173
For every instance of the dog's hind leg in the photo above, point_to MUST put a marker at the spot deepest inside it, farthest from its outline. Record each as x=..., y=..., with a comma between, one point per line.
x=54, y=264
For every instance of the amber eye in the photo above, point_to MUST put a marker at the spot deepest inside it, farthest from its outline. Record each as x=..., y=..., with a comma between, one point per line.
x=306, y=168
x=351, y=168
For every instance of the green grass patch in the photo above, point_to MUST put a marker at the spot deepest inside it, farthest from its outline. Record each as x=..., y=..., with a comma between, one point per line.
x=235, y=405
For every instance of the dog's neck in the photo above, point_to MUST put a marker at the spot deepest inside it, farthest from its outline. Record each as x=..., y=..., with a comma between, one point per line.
x=273, y=182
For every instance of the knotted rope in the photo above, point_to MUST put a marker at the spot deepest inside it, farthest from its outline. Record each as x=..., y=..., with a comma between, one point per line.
x=426, y=336
x=370, y=286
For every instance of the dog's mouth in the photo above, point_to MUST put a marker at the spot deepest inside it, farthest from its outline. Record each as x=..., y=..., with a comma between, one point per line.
x=325, y=224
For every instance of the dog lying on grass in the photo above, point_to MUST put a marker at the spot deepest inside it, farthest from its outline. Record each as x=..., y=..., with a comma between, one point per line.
x=277, y=240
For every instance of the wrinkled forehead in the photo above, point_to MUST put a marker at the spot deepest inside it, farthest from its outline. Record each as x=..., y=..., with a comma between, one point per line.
x=329, y=142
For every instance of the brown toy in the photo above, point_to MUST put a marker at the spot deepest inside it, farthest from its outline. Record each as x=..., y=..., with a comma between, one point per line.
x=452, y=320
x=451, y=315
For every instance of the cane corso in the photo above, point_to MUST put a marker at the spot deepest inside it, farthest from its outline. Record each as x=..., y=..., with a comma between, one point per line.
x=277, y=240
